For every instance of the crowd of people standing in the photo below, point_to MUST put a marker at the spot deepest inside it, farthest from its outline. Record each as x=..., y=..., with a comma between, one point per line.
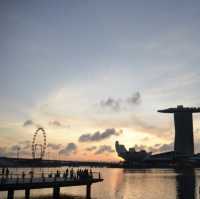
x=72, y=174
x=68, y=174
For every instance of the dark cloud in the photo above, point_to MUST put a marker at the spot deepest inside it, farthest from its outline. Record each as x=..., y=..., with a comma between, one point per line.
x=22, y=153
x=135, y=99
x=111, y=103
x=157, y=148
x=151, y=128
x=120, y=104
x=69, y=149
x=54, y=146
x=104, y=149
x=28, y=123
x=92, y=148
x=23, y=147
x=98, y=136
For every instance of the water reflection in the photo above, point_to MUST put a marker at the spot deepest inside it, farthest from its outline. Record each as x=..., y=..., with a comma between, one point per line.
x=130, y=184
x=185, y=184
x=149, y=183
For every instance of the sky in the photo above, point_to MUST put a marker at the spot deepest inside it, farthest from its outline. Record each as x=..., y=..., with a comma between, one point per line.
x=92, y=72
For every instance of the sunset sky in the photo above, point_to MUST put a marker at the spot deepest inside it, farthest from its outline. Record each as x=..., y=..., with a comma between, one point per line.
x=93, y=72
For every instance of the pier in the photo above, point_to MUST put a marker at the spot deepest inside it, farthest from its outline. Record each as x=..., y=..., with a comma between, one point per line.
x=48, y=180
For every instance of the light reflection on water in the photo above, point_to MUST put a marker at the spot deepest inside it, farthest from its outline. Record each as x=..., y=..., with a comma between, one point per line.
x=132, y=184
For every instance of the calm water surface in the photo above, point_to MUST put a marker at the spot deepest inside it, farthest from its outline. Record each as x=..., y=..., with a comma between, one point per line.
x=132, y=184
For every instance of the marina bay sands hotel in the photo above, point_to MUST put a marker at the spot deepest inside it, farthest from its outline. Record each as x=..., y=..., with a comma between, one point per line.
x=183, y=144
x=184, y=141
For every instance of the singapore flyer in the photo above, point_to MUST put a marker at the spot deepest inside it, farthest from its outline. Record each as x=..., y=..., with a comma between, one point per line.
x=41, y=146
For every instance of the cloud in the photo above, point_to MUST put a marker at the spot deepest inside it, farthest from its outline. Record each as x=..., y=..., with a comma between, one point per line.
x=145, y=139
x=28, y=123
x=25, y=144
x=54, y=146
x=92, y=148
x=157, y=148
x=23, y=147
x=166, y=147
x=104, y=149
x=140, y=147
x=120, y=104
x=69, y=149
x=135, y=99
x=111, y=103
x=157, y=145
x=15, y=147
x=197, y=140
x=197, y=130
x=98, y=136
x=22, y=153
x=2, y=151
x=55, y=123
x=142, y=125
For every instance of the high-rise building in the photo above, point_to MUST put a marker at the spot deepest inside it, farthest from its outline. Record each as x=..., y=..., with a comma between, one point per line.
x=184, y=142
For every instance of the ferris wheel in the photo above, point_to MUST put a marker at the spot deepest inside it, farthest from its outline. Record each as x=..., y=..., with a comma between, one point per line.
x=42, y=146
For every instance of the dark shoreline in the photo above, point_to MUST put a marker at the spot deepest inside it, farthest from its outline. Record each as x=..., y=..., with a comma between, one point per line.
x=24, y=163
x=37, y=163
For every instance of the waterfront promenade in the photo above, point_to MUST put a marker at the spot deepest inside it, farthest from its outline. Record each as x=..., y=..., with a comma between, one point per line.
x=13, y=182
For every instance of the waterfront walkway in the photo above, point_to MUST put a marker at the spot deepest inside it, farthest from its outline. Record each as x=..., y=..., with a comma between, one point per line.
x=10, y=183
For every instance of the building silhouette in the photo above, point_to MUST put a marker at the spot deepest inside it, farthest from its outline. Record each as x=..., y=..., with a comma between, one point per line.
x=184, y=141
x=183, y=153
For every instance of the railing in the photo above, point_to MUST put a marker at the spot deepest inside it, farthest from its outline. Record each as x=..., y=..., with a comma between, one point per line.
x=26, y=181
x=30, y=177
